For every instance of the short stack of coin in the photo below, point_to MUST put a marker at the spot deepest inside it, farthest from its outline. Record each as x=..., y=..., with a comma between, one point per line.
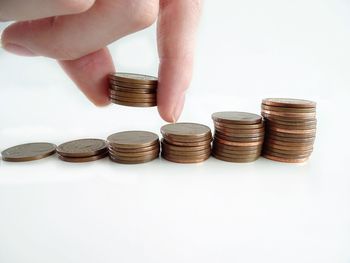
x=133, y=90
x=290, y=129
x=83, y=150
x=186, y=142
x=133, y=147
x=238, y=136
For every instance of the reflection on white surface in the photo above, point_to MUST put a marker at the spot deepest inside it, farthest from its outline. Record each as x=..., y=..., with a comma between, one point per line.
x=51, y=211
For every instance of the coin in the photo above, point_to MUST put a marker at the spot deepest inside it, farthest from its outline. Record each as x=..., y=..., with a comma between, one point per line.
x=83, y=159
x=258, y=143
x=273, y=117
x=134, y=160
x=285, y=160
x=82, y=148
x=190, y=144
x=287, y=109
x=186, y=153
x=132, y=85
x=290, y=135
x=184, y=148
x=185, y=160
x=134, y=100
x=272, y=141
x=301, y=115
x=238, y=126
x=135, y=150
x=238, y=139
x=290, y=156
x=236, y=117
x=288, y=139
x=228, y=131
x=132, y=90
x=28, y=152
x=288, y=102
x=133, y=95
x=186, y=130
x=225, y=147
x=134, y=78
x=132, y=139
x=294, y=131
x=217, y=148
x=292, y=122
x=235, y=160
x=133, y=104
x=133, y=154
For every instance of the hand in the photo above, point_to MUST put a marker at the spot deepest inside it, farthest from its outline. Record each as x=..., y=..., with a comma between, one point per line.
x=76, y=33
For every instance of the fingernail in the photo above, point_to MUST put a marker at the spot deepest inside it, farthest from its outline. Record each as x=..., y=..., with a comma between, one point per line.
x=178, y=108
x=18, y=50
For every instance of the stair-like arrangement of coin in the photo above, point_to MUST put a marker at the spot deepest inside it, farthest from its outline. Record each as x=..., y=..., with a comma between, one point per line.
x=133, y=147
x=133, y=90
x=238, y=136
x=290, y=129
x=82, y=150
x=186, y=142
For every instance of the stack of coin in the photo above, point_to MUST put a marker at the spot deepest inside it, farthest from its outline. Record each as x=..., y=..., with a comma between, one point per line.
x=28, y=152
x=133, y=147
x=290, y=129
x=186, y=142
x=83, y=150
x=133, y=90
x=238, y=137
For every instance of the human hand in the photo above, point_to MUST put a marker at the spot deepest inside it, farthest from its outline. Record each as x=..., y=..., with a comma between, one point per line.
x=76, y=33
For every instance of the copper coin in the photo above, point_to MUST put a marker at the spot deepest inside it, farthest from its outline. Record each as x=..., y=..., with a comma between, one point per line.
x=133, y=100
x=292, y=122
x=300, y=115
x=177, y=138
x=133, y=95
x=242, y=136
x=82, y=148
x=295, y=131
x=290, y=135
x=236, y=117
x=289, y=148
x=135, y=150
x=131, y=85
x=288, y=102
x=185, y=160
x=28, y=152
x=133, y=139
x=287, y=109
x=186, y=130
x=134, y=78
x=283, y=155
x=238, y=126
x=239, y=139
x=286, y=118
x=239, y=143
x=190, y=144
x=236, y=148
x=82, y=159
x=133, y=154
x=286, y=139
x=134, y=161
x=235, y=160
x=217, y=148
x=186, y=153
x=286, y=150
x=272, y=141
x=132, y=90
x=184, y=148
x=236, y=156
x=291, y=127
x=285, y=160
x=240, y=131
x=133, y=104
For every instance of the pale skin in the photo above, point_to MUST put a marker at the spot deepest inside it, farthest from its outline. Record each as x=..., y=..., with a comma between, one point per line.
x=76, y=33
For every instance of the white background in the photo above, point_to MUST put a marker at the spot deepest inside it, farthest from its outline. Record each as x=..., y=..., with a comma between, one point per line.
x=51, y=211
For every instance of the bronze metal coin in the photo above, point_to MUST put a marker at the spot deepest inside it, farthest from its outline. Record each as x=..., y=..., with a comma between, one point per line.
x=295, y=131
x=287, y=139
x=133, y=154
x=132, y=85
x=289, y=148
x=133, y=95
x=286, y=118
x=288, y=102
x=217, y=148
x=272, y=141
x=132, y=139
x=235, y=160
x=134, y=161
x=134, y=100
x=185, y=160
x=225, y=147
x=183, y=130
x=223, y=125
x=301, y=115
x=83, y=159
x=287, y=109
x=239, y=139
x=186, y=153
x=135, y=150
x=285, y=160
x=179, y=139
x=236, y=156
x=189, y=144
x=291, y=127
x=242, y=136
x=134, y=104
x=236, y=117
x=292, y=122
x=184, y=148
x=82, y=148
x=28, y=152
x=283, y=155
x=134, y=78
x=239, y=143
x=290, y=135
x=133, y=90
x=270, y=148
x=240, y=131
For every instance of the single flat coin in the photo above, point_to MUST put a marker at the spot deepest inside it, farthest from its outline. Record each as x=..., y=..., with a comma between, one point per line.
x=28, y=152
x=236, y=148
x=184, y=148
x=132, y=85
x=289, y=151
x=82, y=148
x=185, y=160
x=236, y=152
x=239, y=143
x=294, y=122
x=133, y=90
x=290, y=156
x=132, y=139
x=238, y=126
x=239, y=139
x=236, y=117
x=236, y=156
x=82, y=159
x=291, y=127
x=240, y=131
x=301, y=115
x=186, y=130
x=285, y=118
x=134, y=78
x=134, y=161
x=242, y=136
x=285, y=160
x=133, y=104
x=288, y=102
x=290, y=135
x=294, y=131
x=292, y=144
x=235, y=160
x=178, y=138
x=287, y=109
x=287, y=139
x=133, y=154
x=134, y=100
x=290, y=148
x=190, y=144
x=186, y=153
x=133, y=95
x=135, y=150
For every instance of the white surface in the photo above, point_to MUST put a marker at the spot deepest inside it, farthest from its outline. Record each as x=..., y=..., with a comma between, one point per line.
x=52, y=211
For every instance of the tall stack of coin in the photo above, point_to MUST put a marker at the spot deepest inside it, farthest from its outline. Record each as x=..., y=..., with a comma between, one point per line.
x=83, y=150
x=290, y=129
x=133, y=90
x=186, y=142
x=133, y=147
x=238, y=136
